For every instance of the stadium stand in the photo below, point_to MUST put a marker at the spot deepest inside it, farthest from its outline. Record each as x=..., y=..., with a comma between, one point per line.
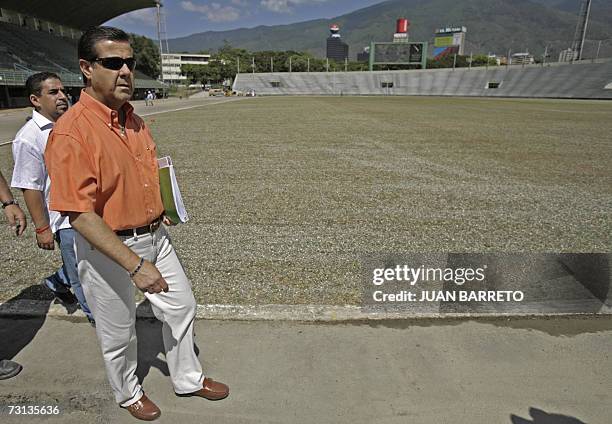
x=579, y=80
x=35, y=50
x=42, y=36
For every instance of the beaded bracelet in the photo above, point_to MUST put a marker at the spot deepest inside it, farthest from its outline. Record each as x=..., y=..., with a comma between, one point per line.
x=133, y=273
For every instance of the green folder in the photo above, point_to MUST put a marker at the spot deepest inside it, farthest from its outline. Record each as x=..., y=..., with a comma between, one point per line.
x=170, y=193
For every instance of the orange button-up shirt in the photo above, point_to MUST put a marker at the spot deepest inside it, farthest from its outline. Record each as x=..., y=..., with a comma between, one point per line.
x=96, y=166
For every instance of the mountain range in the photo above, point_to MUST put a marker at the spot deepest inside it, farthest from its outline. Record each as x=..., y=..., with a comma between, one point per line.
x=493, y=26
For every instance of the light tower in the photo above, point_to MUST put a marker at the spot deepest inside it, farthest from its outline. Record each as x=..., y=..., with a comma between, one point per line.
x=581, y=28
x=161, y=35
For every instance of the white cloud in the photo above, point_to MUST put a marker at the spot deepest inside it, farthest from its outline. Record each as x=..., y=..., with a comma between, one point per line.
x=214, y=12
x=191, y=7
x=285, y=6
x=142, y=16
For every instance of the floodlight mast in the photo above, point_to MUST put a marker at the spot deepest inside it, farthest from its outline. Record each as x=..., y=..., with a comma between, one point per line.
x=158, y=5
x=581, y=28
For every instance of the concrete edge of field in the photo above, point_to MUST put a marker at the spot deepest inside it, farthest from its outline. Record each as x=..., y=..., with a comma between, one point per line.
x=276, y=312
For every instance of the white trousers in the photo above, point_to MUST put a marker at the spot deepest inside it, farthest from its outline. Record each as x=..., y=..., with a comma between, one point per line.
x=110, y=294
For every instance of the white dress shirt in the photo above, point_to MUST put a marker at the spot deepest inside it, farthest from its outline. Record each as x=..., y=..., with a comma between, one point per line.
x=30, y=171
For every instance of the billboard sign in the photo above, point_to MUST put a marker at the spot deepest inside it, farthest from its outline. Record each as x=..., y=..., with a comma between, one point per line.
x=450, y=30
x=443, y=41
x=398, y=54
x=416, y=53
x=440, y=52
x=449, y=41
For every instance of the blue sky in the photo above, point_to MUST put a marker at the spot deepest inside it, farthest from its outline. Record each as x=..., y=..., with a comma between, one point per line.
x=191, y=16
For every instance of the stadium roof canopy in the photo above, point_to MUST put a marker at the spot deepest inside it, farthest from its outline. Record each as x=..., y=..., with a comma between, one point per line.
x=79, y=14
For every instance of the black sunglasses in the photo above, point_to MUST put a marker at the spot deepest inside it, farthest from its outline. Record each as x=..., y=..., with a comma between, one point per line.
x=116, y=63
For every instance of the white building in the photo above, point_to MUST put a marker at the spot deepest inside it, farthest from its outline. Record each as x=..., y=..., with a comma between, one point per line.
x=172, y=62
x=568, y=55
x=522, y=59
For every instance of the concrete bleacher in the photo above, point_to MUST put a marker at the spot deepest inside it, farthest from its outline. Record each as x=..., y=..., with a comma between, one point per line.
x=36, y=50
x=24, y=51
x=584, y=80
x=39, y=51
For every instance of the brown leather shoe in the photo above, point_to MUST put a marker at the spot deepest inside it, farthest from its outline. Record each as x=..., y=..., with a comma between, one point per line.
x=211, y=390
x=144, y=409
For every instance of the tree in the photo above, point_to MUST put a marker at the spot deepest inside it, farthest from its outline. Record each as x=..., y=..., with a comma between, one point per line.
x=202, y=74
x=447, y=61
x=483, y=60
x=222, y=65
x=146, y=54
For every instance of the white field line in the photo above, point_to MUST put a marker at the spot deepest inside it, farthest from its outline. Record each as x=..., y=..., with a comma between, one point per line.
x=187, y=107
x=6, y=143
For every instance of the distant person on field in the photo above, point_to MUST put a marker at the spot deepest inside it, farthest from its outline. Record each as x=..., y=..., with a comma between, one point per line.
x=17, y=221
x=47, y=95
x=103, y=166
x=149, y=98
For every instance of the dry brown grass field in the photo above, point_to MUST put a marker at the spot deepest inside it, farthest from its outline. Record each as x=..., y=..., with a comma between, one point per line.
x=285, y=194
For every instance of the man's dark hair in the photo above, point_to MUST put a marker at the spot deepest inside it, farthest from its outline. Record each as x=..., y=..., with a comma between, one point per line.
x=34, y=82
x=87, y=42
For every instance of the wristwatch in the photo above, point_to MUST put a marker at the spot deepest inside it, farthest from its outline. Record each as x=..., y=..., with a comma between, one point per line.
x=10, y=202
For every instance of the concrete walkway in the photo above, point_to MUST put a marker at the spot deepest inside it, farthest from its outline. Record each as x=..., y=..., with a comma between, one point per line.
x=518, y=371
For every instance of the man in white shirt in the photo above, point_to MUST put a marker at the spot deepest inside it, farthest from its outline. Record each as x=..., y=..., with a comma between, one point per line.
x=47, y=95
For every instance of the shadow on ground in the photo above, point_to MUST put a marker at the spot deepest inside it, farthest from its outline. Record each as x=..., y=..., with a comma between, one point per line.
x=541, y=417
x=150, y=342
x=17, y=333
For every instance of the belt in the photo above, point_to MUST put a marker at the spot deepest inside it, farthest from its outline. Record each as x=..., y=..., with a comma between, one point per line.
x=151, y=228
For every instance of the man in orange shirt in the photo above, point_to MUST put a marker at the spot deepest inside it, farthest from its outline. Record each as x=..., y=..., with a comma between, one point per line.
x=103, y=167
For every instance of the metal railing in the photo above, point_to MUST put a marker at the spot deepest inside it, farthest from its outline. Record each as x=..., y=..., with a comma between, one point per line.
x=69, y=79
x=19, y=77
